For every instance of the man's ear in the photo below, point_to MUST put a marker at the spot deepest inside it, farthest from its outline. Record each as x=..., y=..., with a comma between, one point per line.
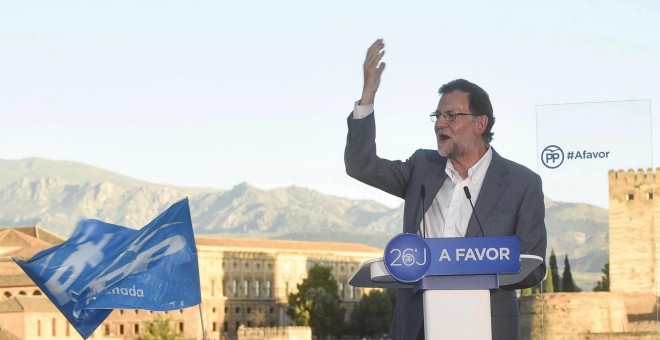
x=482, y=124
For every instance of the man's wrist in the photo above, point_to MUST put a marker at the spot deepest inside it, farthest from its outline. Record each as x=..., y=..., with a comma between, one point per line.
x=367, y=98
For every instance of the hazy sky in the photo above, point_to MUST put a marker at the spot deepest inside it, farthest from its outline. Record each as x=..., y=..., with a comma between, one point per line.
x=214, y=93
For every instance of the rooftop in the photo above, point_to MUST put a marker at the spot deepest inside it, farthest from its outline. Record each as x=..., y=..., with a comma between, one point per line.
x=286, y=245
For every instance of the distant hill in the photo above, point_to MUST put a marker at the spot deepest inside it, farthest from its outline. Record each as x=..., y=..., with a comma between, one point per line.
x=35, y=169
x=56, y=194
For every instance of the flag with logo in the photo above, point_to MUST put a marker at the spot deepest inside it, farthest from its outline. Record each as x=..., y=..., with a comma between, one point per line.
x=105, y=266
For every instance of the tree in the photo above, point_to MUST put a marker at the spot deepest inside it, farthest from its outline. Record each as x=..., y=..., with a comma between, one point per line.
x=159, y=329
x=317, y=303
x=554, y=272
x=371, y=317
x=549, y=282
x=604, y=284
x=567, y=283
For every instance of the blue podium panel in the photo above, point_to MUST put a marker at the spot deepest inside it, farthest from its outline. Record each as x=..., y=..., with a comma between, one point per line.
x=409, y=257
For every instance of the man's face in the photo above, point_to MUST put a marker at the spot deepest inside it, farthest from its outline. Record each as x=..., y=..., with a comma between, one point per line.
x=459, y=137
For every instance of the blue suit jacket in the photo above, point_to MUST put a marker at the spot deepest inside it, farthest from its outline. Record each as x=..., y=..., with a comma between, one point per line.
x=510, y=203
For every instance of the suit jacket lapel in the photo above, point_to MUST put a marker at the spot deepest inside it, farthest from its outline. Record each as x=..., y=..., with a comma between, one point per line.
x=491, y=192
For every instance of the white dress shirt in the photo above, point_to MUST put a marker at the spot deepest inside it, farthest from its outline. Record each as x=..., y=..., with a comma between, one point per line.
x=450, y=212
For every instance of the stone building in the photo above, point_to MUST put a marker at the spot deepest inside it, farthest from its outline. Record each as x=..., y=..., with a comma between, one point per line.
x=244, y=282
x=634, y=240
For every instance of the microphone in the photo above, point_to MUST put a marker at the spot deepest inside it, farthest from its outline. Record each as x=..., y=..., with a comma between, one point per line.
x=469, y=197
x=422, y=195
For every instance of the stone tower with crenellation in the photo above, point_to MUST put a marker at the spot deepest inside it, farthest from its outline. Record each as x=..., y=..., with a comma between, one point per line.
x=634, y=233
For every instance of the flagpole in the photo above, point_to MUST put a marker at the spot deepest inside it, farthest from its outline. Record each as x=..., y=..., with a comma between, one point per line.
x=201, y=320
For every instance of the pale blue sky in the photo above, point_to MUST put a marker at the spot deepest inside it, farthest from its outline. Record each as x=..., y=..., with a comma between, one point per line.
x=213, y=93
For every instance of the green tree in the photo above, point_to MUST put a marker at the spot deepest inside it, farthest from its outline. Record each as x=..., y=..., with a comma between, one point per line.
x=371, y=317
x=554, y=272
x=160, y=329
x=567, y=284
x=317, y=304
x=604, y=284
x=549, y=282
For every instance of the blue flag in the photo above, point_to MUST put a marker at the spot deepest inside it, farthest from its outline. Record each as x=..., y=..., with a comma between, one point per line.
x=105, y=266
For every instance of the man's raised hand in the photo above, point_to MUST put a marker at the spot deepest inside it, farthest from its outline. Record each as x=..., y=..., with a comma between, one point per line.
x=373, y=69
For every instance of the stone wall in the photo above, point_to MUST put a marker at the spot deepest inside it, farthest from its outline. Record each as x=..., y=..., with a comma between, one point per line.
x=568, y=316
x=274, y=333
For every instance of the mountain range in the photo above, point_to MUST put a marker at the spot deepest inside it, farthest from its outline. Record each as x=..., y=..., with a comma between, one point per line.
x=56, y=194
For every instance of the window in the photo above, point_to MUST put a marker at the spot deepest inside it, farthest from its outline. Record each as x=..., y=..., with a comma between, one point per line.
x=38, y=327
x=341, y=290
x=136, y=329
x=36, y=292
x=181, y=327
x=234, y=289
x=649, y=196
x=106, y=329
x=630, y=197
x=268, y=289
x=351, y=293
x=212, y=287
x=67, y=329
x=54, y=327
x=246, y=287
x=215, y=326
x=121, y=329
x=256, y=288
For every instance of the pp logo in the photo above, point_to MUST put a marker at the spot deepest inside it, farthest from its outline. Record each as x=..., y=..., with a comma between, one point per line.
x=552, y=156
x=407, y=257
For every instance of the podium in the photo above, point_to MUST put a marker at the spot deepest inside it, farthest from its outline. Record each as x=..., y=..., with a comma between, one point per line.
x=456, y=294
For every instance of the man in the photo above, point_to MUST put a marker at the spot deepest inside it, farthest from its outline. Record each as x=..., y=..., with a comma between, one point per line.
x=508, y=197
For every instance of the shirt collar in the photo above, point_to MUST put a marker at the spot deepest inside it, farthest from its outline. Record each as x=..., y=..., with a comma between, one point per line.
x=478, y=170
